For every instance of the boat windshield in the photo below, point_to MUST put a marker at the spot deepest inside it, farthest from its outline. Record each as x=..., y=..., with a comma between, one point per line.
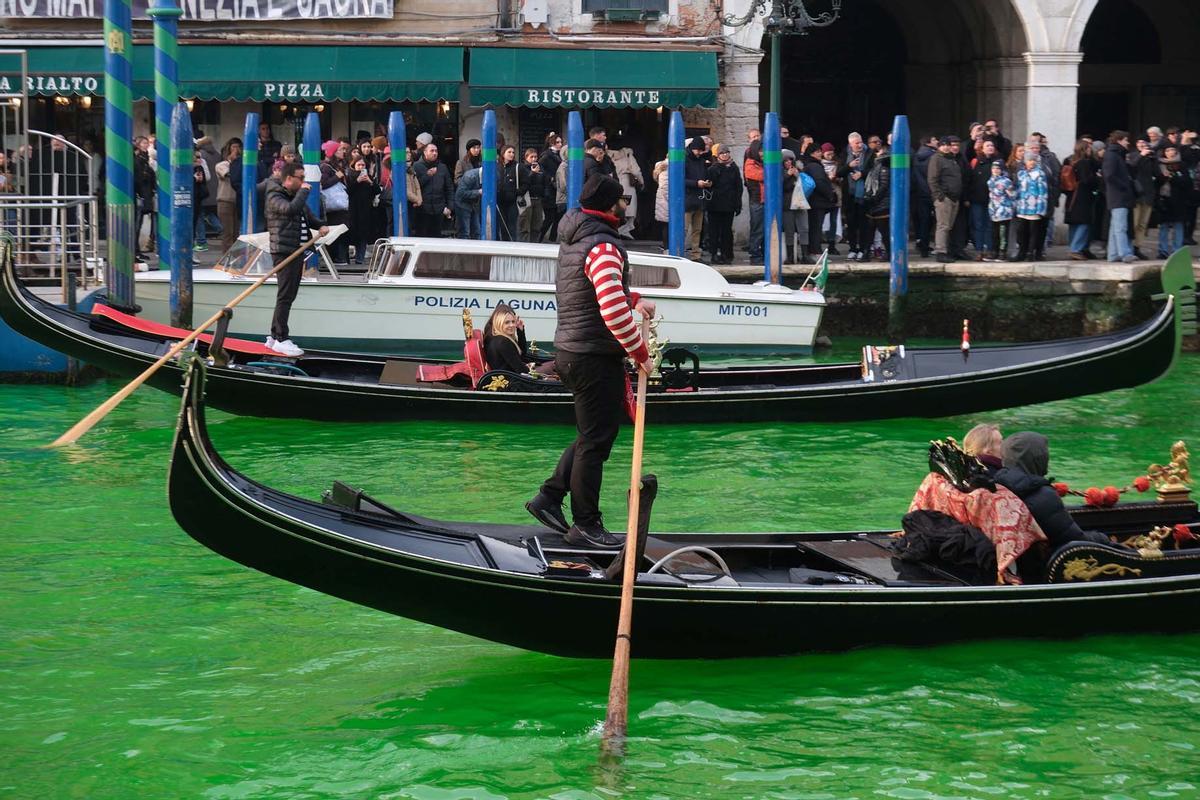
x=250, y=258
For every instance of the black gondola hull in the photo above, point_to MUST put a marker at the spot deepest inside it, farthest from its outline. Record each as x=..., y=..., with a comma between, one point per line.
x=988, y=379
x=437, y=573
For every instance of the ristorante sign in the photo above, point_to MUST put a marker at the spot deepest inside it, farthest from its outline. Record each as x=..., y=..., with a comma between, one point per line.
x=208, y=10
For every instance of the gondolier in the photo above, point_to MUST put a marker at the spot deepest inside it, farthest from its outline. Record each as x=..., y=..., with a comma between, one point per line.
x=290, y=224
x=596, y=330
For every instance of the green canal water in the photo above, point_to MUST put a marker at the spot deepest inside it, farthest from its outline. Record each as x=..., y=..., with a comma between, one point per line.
x=136, y=664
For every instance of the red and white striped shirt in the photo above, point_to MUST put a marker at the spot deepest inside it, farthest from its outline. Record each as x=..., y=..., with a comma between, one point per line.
x=603, y=267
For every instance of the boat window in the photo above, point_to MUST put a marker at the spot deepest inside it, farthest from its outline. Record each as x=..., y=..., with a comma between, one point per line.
x=453, y=266
x=523, y=269
x=653, y=277
x=393, y=261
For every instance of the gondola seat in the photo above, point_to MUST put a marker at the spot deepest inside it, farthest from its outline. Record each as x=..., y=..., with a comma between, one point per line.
x=1089, y=562
x=473, y=366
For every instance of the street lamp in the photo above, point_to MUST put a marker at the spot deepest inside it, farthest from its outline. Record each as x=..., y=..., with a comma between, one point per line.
x=786, y=17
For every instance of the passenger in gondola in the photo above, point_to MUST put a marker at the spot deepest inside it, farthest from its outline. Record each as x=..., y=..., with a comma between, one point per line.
x=1026, y=461
x=505, y=346
x=985, y=442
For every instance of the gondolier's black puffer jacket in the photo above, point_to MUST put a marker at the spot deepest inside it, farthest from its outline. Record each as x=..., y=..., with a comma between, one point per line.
x=581, y=329
x=283, y=218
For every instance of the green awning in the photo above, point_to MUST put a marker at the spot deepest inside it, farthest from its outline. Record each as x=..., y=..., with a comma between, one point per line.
x=264, y=72
x=593, y=78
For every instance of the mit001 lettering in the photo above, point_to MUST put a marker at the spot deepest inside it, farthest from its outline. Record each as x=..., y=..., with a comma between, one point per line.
x=739, y=310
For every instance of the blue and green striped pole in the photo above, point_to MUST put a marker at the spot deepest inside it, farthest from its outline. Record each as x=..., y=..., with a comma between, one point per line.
x=675, y=178
x=574, y=158
x=165, y=14
x=898, y=223
x=249, y=172
x=183, y=184
x=310, y=153
x=489, y=226
x=772, y=200
x=398, y=141
x=118, y=147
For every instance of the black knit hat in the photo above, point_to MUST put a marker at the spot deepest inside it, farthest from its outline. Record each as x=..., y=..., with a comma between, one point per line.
x=600, y=193
x=472, y=143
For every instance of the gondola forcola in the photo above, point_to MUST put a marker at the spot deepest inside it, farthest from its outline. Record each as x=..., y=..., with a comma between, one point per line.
x=886, y=383
x=708, y=595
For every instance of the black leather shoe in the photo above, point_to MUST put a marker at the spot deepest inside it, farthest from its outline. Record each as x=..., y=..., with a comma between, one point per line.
x=594, y=536
x=547, y=512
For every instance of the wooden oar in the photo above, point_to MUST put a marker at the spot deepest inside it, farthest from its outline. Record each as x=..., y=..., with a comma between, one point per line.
x=84, y=425
x=616, y=721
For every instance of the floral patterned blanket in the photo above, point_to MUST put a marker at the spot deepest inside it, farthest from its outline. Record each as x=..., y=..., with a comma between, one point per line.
x=1001, y=516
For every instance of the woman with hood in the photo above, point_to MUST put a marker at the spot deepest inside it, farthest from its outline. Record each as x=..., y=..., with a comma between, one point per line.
x=1173, y=200
x=1026, y=457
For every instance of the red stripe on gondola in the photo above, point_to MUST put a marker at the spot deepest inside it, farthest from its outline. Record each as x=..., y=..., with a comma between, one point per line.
x=169, y=332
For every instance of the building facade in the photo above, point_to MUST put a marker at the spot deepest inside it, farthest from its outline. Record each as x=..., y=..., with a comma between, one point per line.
x=1058, y=67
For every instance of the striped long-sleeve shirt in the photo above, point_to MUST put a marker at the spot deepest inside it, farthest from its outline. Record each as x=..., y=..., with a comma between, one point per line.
x=603, y=267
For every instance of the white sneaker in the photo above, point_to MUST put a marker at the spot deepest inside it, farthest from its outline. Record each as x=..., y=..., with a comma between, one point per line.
x=287, y=348
x=271, y=342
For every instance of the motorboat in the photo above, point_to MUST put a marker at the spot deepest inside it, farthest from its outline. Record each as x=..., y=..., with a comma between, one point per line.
x=411, y=298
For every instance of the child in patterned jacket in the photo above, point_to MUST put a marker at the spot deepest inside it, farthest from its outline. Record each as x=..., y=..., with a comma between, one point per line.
x=1001, y=209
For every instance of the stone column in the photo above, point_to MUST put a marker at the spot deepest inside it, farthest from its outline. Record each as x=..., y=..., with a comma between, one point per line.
x=1053, y=96
x=739, y=114
x=1053, y=87
x=1001, y=94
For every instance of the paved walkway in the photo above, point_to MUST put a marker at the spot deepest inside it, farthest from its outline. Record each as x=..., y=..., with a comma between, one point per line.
x=1058, y=265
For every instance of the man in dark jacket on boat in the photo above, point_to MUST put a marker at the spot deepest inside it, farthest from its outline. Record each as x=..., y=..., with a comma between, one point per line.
x=596, y=330
x=290, y=224
x=1026, y=461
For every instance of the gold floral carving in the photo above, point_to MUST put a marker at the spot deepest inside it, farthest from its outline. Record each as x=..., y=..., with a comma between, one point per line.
x=1084, y=569
x=497, y=383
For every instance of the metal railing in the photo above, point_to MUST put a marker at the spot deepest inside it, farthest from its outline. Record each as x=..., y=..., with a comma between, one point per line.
x=52, y=236
x=49, y=209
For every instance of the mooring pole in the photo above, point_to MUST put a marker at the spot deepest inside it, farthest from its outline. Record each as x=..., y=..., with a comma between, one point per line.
x=118, y=147
x=398, y=141
x=487, y=177
x=182, y=186
x=310, y=153
x=772, y=200
x=165, y=14
x=250, y=172
x=675, y=177
x=574, y=158
x=898, y=222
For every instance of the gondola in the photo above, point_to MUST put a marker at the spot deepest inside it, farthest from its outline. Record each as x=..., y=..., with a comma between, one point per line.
x=697, y=595
x=249, y=379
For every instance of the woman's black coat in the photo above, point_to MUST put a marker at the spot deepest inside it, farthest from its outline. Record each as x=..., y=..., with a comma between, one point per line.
x=1081, y=203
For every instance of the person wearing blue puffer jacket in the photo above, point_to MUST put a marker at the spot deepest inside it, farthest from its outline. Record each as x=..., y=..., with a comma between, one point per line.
x=1033, y=201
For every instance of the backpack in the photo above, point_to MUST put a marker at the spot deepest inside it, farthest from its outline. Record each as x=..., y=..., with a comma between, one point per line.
x=1067, y=179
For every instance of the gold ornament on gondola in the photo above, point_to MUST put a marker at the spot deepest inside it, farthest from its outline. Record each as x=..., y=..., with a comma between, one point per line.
x=1084, y=569
x=1149, y=545
x=656, y=346
x=496, y=384
x=1172, y=481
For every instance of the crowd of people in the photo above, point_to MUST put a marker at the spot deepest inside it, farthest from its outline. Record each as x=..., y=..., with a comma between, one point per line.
x=980, y=197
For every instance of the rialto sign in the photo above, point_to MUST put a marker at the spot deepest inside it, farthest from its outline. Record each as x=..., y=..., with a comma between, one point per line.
x=53, y=84
x=208, y=10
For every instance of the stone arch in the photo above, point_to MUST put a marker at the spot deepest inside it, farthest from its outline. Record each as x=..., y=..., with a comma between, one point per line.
x=970, y=53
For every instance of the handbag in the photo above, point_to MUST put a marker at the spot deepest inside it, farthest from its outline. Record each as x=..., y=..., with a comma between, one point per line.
x=336, y=197
x=799, y=201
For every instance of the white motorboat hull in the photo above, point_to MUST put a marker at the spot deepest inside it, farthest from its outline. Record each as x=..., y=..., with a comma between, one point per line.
x=423, y=316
